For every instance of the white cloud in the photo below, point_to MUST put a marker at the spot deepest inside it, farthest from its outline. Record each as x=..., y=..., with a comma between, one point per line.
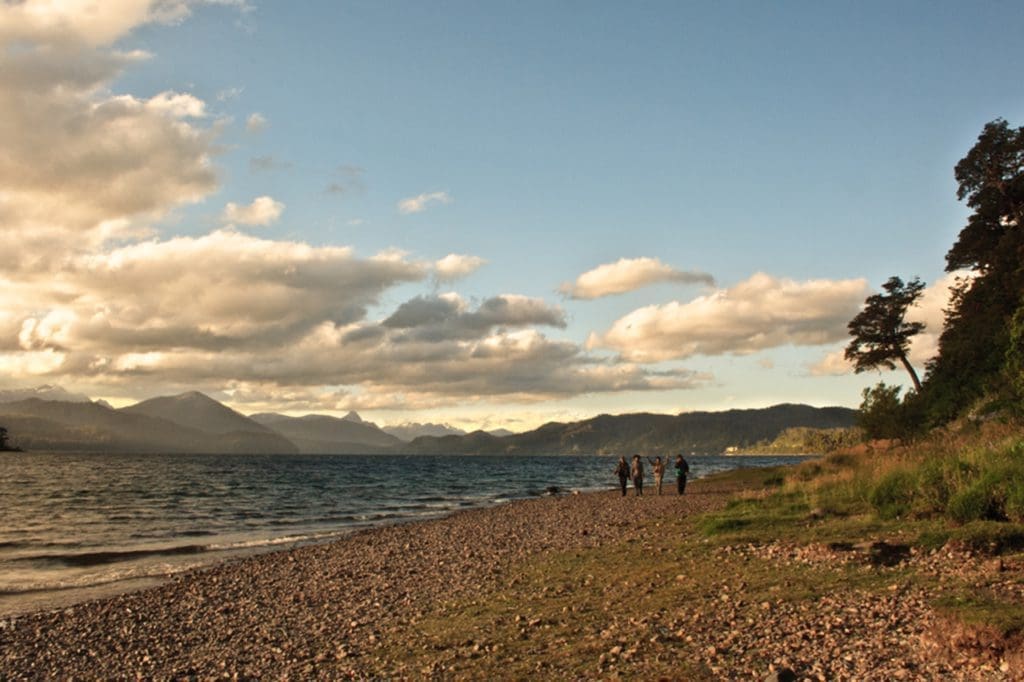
x=90, y=294
x=455, y=266
x=761, y=312
x=832, y=364
x=256, y=122
x=628, y=274
x=262, y=212
x=81, y=166
x=419, y=203
x=930, y=309
x=90, y=22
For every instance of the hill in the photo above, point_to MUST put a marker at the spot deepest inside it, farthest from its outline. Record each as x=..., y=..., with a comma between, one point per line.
x=320, y=434
x=36, y=424
x=644, y=433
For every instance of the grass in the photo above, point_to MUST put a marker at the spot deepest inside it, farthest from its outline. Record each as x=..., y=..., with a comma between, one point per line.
x=628, y=609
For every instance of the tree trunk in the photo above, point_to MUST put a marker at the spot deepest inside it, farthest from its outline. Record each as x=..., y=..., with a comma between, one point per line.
x=911, y=372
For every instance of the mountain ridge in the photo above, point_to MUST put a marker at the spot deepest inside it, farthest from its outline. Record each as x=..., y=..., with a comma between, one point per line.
x=194, y=422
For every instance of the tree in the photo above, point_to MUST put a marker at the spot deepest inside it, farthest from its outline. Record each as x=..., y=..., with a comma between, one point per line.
x=976, y=336
x=880, y=333
x=880, y=413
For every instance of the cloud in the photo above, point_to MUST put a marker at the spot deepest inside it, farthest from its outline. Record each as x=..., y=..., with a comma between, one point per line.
x=448, y=316
x=455, y=266
x=267, y=163
x=81, y=166
x=92, y=295
x=228, y=94
x=419, y=203
x=350, y=181
x=930, y=309
x=761, y=312
x=223, y=292
x=88, y=22
x=832, y=364
x=629, y=274
x=256, y=123
x=262, y=211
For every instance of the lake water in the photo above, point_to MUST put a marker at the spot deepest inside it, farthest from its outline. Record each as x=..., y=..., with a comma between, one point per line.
x=79, y=525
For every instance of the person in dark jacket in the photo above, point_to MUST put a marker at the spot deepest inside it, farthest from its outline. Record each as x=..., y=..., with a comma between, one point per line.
x=682, y=468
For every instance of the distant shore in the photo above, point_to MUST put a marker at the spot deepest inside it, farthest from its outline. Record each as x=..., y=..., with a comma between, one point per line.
x=501, y=591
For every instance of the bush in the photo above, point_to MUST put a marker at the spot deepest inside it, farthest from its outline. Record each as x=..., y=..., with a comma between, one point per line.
x=934, y=486
x=981, y=501
x=893, y=494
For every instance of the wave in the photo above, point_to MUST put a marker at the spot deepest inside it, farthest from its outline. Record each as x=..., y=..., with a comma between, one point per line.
x=113, y=556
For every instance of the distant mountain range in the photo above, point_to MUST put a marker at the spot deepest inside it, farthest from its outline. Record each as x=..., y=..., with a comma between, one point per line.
x=195, y=423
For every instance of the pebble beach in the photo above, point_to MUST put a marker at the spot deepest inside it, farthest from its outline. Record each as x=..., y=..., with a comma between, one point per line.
x=341, y=610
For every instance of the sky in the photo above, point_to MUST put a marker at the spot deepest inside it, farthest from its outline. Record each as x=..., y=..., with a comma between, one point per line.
x=490, y=214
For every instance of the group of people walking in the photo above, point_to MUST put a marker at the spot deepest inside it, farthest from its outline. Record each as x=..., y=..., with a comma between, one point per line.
x=635, y=472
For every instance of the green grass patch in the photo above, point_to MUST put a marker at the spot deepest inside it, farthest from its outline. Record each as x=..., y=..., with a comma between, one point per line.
x=982, y=608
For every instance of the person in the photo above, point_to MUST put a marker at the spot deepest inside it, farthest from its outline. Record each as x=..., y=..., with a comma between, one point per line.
x=622, y=470
x=658, y=467
x=682, y=468
x=638, y=475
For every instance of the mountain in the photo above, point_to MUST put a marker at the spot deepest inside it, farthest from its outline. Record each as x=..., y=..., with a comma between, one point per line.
x=196, y=411
x=36, y=424
x=408, y=431
x=320, y=434
x=643, y=433
x=45, y=392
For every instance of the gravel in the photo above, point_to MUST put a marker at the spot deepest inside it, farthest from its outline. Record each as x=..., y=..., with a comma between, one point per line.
x=325, y=611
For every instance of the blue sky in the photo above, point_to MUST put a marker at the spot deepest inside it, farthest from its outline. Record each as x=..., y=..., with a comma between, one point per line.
x=811, y=142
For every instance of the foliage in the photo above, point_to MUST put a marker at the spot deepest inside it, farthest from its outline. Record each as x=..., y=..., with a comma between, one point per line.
x=881, y=413
x=976, y=337
x=881, y=334
x=893, y=494
x=800, y=440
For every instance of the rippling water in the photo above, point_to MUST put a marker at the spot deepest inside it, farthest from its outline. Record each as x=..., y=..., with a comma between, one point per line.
x=77, y=521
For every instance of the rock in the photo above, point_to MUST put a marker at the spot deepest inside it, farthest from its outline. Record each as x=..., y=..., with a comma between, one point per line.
x=781, y=675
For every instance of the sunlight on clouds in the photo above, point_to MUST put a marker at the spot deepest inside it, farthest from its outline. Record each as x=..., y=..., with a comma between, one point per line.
x=761, y=312
x=261, y=212
x=256, y=122
x=629, y=274
x=930, y=309
x=455, y=266
x=420, y=203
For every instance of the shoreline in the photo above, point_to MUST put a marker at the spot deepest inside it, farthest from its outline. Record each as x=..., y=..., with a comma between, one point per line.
x=569, y=587
x=278, y=613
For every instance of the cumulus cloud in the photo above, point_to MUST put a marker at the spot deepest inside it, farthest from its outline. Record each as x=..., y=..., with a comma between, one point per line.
x=262, y=211
x=420, y=203
x=256, y=122
x=437, y=318
x=93, y=295
x=930, y=309
x=81, y=165
x=455, y=266
x=761, y=312
x=629, y=274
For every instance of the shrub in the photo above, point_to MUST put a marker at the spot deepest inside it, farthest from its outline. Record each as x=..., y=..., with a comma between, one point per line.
x=893, y=494
x=981, y=501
